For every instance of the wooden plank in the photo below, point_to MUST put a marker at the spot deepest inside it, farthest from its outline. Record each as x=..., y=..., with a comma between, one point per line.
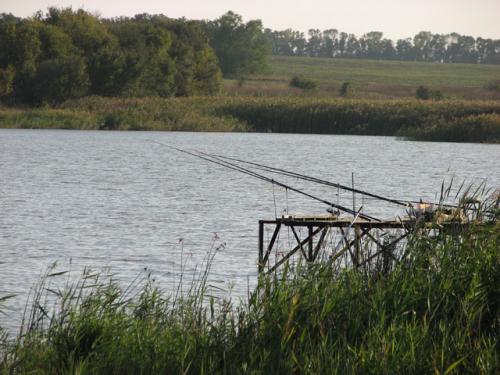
x=384, y=249
x=310, y=249
x=320, y=242
x=271, y=244
x=261, y=245
x=292, y=252
x=299, y=242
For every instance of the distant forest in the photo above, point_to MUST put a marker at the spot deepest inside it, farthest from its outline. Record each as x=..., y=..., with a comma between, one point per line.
x=66, y=53
x=425, y=46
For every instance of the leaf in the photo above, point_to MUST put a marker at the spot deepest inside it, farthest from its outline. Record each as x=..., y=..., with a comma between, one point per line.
x=56, y=292
x=453, y=366
x=8, y=296
x=57, y=273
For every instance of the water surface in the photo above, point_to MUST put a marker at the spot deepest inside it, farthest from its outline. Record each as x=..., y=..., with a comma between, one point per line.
x=99, y=199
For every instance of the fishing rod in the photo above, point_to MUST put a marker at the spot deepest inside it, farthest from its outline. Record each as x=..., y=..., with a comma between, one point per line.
x=313, y=179
x=265, y=178
x=284, y=172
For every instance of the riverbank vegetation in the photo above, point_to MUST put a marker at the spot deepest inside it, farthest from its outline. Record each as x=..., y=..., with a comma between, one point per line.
x=73, y=70
x=436, y=312
x=457, y=120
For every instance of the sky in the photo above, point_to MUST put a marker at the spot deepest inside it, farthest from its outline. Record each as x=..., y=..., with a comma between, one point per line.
x=396, y=18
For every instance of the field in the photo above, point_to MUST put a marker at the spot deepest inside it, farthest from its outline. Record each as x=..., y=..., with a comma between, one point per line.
x=370, y=78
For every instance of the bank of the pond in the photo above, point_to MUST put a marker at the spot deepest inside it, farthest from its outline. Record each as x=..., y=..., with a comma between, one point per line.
x=447, y=120
x=438, y=312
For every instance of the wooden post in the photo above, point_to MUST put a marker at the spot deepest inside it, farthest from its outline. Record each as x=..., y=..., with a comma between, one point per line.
x=311, y=250
x=273, y=240
x=353, y=195
x=357, y=244
x=261, y=246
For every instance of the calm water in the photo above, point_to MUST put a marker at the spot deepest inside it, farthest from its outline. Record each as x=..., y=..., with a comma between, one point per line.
x=116, y=199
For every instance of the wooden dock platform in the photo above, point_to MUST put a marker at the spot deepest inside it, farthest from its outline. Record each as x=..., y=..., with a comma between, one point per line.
x=356, y=234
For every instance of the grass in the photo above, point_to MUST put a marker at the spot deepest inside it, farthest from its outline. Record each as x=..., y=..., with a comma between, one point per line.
x=380, y=100
x=460, y=121
x=472, y=128
x=447, y=120
x=437, y=311
x=373, y=79
x=97, y=113
x=383, y=71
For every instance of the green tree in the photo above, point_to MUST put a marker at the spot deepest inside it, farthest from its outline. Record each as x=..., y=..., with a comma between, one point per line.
x=314, y=42
x=55, y=43
x=148, y=67
x=196, y=66
x=60, y=79
x=24, y=58
x=8, y=30
x=240, y=47
x=6, y=81
x=99, y=47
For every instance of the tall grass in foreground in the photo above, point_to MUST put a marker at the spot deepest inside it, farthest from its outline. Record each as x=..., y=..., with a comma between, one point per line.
x=436, y=312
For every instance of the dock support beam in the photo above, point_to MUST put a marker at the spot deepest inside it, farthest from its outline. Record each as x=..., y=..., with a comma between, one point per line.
x=261, y=245
x=310, y=254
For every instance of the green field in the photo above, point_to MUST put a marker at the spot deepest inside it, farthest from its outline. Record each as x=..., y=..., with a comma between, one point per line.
x=371, y=78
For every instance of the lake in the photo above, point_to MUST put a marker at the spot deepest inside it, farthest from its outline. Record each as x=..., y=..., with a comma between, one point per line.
x=118, y=200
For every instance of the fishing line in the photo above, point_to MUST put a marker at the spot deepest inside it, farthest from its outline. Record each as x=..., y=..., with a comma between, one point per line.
x=313, y=179
x=265, y=178
x=274, y=200
x=400, y=202
x=240, y=169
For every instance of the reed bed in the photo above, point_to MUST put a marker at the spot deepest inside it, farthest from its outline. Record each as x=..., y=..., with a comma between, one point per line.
x=402, y=118
x=446, y=120
x=436, y=312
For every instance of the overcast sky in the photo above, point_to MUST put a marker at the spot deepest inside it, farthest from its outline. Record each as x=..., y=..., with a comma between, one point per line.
x=396, y=18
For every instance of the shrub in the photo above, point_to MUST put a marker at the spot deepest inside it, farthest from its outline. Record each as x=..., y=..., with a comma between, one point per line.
x=303, y=83
x=111, y=121
x=345, y=89
x=474, y=128
x=241, y=81
x=493, y=85
x=423, y=93
x=436, y=95
x=60, y=79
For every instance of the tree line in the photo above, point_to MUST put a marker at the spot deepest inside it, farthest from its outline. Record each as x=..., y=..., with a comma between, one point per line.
x=64, y=54
x=425, y=46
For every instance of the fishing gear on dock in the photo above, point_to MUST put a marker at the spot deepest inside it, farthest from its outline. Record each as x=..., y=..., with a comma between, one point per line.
x=238, y=168
x=235, y=164
x=365, y=242
x=285, y=172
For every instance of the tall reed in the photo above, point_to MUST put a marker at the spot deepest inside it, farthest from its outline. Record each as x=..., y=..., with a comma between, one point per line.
x=437, y=311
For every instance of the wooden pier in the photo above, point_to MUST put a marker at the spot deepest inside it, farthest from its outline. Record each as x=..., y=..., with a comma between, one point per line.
x=360, y=242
